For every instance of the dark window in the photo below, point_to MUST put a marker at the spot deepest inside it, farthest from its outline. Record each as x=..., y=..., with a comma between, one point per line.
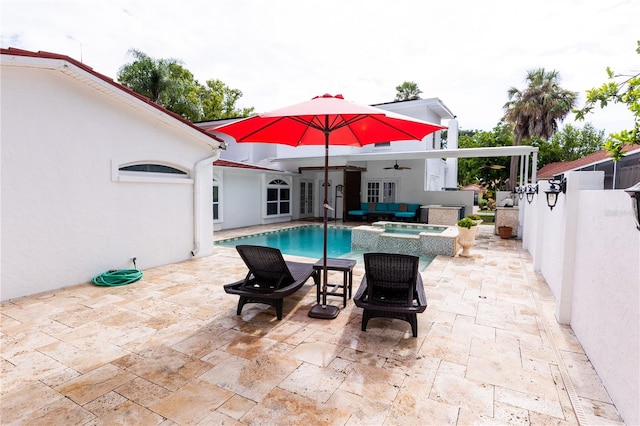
x=152, y=168
x=216, y=201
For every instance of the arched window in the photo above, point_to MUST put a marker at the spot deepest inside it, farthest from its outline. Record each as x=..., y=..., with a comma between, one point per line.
x=152, y=168
x=278, y=198
x=145, y=169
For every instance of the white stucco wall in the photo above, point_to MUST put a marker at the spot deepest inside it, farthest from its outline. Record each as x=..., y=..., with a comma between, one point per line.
x=64, y=219
x=589, y=252
x=242, y=199
x=553, y=243
x=605, y=312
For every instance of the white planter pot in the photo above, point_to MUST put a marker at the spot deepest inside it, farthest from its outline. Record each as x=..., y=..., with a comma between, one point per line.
x=466, y=239
x=476, y=228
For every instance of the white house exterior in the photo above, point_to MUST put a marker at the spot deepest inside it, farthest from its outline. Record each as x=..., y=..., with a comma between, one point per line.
x=69, y=211
x=357, y=174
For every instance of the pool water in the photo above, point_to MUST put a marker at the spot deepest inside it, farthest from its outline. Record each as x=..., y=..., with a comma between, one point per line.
x=307, y=241
x=414, y=231
x=304, y=241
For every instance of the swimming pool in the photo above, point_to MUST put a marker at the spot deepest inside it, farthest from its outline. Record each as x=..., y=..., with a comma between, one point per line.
x=307, y=241
x=415, y=239
x=304, y=241
x=413, y=230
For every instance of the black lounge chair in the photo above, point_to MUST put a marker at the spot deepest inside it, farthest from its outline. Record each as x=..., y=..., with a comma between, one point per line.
x=270, y=278
x=391, y=288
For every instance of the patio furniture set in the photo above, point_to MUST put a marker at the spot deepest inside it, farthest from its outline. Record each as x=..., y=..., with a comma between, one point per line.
x=391, y=287
x=387, y=211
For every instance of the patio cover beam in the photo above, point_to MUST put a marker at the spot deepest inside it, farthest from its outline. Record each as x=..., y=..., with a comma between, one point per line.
x=501, y=151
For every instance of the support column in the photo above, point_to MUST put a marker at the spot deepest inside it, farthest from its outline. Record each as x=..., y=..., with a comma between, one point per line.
x=451, y=177
x=576, y=182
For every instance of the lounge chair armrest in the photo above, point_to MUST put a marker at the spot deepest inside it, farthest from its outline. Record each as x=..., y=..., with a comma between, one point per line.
x=422, y=297
x=362, y=289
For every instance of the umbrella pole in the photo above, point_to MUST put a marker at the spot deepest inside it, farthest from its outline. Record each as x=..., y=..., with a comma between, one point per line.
x=325, y=311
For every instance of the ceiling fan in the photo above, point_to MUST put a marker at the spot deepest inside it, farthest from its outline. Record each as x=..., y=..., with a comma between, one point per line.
x=397, y=167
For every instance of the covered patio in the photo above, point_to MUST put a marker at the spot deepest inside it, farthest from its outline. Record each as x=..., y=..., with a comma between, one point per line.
x=169, y=349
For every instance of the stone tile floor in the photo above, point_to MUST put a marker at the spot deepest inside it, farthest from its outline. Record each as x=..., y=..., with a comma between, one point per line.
x=170, y=349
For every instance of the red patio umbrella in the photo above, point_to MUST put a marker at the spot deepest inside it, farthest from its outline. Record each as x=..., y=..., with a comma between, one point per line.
x=327, y=120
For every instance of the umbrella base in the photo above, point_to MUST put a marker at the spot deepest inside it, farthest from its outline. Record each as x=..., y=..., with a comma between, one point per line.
x=324, y=312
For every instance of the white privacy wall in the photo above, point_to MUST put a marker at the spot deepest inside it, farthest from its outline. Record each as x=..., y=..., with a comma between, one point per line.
x=588, y=250
x=605, y=312
x=64, y=219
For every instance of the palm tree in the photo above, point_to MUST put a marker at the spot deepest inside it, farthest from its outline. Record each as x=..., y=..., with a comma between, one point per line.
x=165, y=82
x=147, y=76
x=536, y=111
x=407, y=91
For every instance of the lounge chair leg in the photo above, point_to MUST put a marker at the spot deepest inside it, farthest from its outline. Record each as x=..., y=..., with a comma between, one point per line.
x=241, y=303
x=278, y=306
x=365, y=320
x=413, y=320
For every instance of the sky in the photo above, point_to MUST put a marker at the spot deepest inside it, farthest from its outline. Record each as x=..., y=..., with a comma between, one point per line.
x=467, y=53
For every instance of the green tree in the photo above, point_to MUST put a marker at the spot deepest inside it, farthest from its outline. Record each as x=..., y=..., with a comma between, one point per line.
x=536, y=110
x=219, y=100
x=568, y=144
x=181, y=95
x=147, y=76
x=489, y=172
x=168, y=83
x=622, y=89
x=407, y=91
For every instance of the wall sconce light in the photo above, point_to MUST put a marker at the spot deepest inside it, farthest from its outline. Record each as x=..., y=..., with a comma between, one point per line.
x=531, y=191
x=556, y=187
x=520, y=191
x=634, y=193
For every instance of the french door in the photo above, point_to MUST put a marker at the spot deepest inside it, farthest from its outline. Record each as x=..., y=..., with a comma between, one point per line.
x=306, y=198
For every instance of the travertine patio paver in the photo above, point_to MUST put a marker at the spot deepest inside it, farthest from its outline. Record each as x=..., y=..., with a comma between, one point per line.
x=170, y=349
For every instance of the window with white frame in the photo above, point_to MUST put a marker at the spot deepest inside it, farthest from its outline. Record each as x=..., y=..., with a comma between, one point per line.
x=278, y=197
x=381, y=191
x=216, y=200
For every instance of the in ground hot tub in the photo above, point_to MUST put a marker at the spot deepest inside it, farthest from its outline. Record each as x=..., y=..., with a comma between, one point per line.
x=403, y=238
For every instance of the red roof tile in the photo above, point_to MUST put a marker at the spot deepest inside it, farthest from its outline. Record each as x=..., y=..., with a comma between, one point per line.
x=552, y=169
x=49, y=55
x=473, y=187
x=239, y=165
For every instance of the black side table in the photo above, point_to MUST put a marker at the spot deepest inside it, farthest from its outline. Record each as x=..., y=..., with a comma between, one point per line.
x=333, y=264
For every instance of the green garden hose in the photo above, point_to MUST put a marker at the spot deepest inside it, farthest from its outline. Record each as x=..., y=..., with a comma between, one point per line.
x=118, y=277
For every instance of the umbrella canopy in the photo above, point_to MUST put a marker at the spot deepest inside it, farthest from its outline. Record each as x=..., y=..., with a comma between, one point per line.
x=310, y=123
x=327, y=120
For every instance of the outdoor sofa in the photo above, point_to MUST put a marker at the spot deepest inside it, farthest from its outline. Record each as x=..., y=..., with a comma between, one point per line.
x=392, y=211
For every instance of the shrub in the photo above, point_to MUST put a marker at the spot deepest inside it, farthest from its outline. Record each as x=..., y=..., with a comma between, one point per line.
x=482, y=203
x=474, y=217
x=466, y=223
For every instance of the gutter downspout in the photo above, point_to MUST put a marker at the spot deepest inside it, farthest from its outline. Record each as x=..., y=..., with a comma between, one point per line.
x=196, y=195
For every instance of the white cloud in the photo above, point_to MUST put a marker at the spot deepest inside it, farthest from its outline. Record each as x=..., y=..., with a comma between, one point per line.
x=467, y=53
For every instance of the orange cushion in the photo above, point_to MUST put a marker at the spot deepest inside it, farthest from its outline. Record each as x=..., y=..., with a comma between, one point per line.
x=372, y=207
x=402, y=208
